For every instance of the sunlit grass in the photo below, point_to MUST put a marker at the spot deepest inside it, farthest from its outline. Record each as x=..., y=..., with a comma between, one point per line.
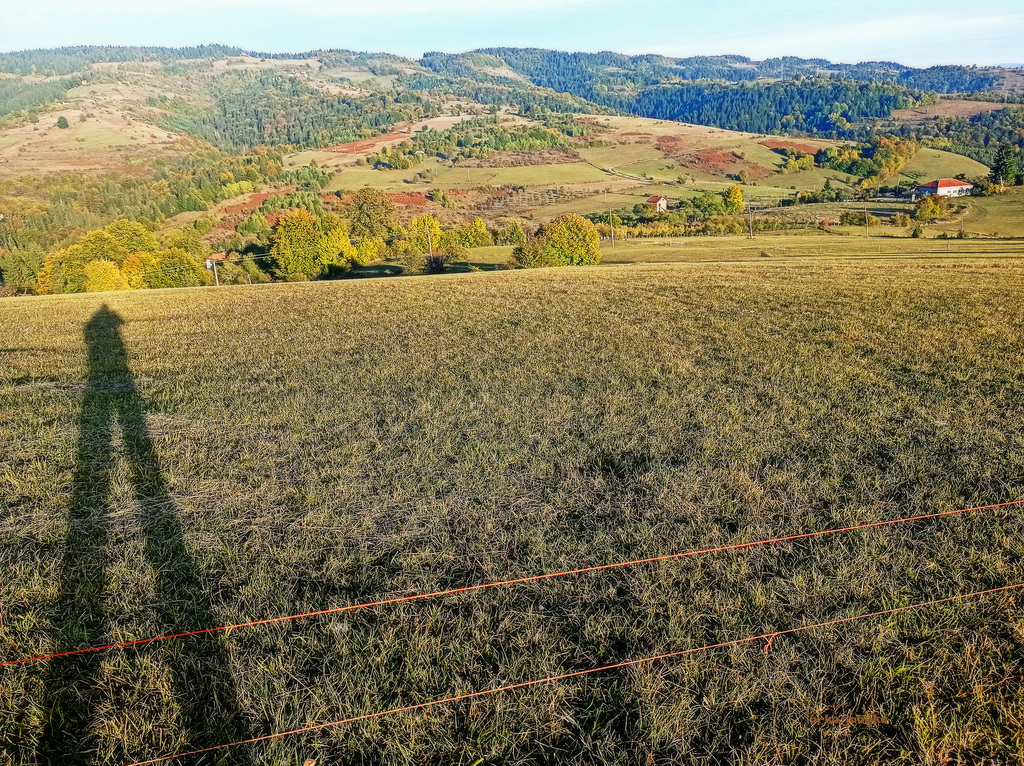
x=328, y=443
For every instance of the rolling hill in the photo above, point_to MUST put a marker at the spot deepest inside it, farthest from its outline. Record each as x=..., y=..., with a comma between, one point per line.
x=210, y=141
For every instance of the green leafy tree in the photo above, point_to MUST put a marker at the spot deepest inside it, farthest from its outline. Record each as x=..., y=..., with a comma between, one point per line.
x=930, y=208
x=297, y=244
x=733, y=199
x=425, y=233
x=132, y=236
x=479, y=235
x=369, y=250
x=179, y=268
x=572, y=241
x=62, y=123
x=372, y=214
x=100, y=276
x=511, y=234
x=336, y=249
x=532, y=253
x=709, y=204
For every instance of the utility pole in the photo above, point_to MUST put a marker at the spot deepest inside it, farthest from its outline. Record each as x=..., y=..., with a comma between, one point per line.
x=212, y=265
x=750, y=219
x=611, y=223
x=430, y=242
x=867, y=227
x=961, y=220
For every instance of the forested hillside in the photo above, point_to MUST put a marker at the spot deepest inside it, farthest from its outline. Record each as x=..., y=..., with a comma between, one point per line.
x=266, y=107
x=574, y=72
x=978, y=136
x=789, y=94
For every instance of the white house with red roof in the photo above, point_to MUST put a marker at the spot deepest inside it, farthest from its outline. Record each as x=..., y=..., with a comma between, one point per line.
x=660, y=204
x=945, y=187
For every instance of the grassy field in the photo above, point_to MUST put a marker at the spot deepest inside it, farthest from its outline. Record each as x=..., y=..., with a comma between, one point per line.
x=103, y=142
x=1000, y=216
x=812, y=247
x=633, y=153
x=930, y=164
x=168, y=463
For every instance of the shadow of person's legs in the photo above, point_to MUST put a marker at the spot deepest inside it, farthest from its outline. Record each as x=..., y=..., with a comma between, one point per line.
x=78, y=621
x=204, y=688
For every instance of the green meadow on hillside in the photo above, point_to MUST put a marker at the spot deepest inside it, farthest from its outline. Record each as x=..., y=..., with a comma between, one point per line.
x=175, y=460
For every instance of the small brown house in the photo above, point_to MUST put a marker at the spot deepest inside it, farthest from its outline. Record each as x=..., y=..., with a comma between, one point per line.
x=660, y=204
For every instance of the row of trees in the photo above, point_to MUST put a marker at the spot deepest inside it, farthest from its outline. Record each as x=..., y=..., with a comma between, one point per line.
x=122, y=256
x=477, y=138
x=43, y=213
x=309, y=246
x=979, y=136
x=883, y=156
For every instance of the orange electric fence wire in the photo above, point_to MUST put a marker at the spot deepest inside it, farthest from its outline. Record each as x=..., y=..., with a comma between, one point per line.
x=767, y=637
x=516, y=581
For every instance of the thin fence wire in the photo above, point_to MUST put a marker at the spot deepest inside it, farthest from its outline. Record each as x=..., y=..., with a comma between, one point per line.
x=768, y=638
x=503, y=583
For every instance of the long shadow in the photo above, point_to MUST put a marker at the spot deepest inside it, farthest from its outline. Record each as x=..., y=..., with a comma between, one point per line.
x=204, y=691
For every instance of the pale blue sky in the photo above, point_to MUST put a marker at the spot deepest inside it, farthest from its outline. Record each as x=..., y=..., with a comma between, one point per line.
x=914, y=31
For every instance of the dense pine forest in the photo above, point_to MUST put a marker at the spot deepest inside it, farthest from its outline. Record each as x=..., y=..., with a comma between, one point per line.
x=266, y=108
x=573, y=72
x=812, y=96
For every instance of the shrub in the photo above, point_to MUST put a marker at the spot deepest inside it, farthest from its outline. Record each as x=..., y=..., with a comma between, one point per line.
x=530, y=254
x=930, y=208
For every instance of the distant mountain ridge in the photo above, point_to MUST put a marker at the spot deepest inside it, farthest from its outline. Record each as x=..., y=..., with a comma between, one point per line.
x=543, y=66
x=237, y=99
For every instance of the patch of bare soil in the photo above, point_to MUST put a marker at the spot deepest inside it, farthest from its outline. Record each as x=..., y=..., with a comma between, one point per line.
x=633, y=137
x=709, y=160
x=946, y=108
x=774, y=143
x=369, y=145
x=409, y=198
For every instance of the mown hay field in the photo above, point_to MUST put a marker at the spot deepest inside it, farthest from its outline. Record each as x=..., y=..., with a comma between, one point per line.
x=179, y=459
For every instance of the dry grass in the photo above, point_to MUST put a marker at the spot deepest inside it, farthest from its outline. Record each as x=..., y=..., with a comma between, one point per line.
x=947, y=107
x=107, y=141
x=291, y=447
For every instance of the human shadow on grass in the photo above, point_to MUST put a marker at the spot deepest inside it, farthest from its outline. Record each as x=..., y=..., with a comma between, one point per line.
x=203, y=688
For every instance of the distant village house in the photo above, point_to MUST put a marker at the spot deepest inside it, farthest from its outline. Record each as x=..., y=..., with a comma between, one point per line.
x=945, y=187
x=660, y=204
